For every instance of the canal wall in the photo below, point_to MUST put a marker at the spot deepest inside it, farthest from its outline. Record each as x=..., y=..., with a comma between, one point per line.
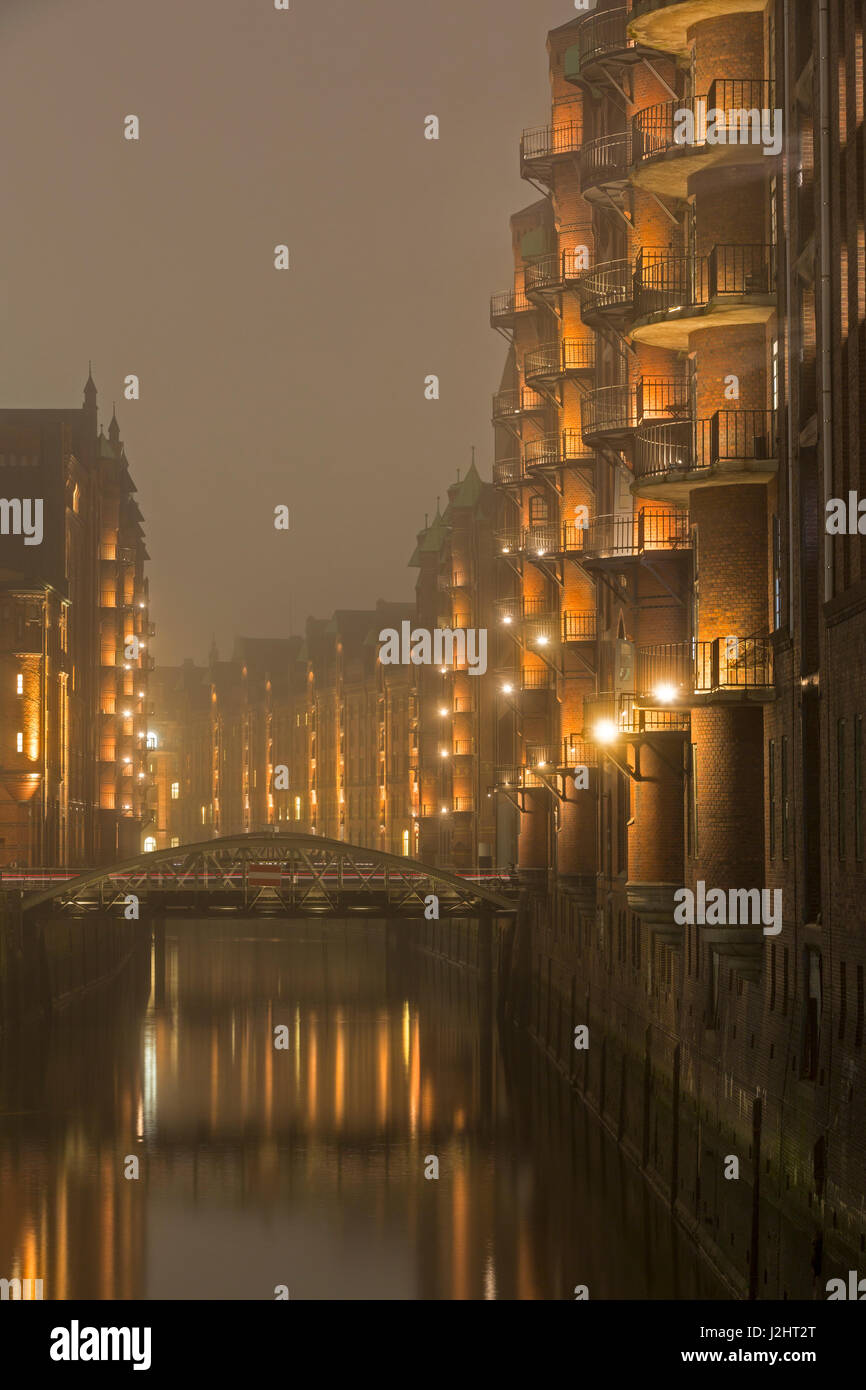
x=46, y=964
x=779, y=1229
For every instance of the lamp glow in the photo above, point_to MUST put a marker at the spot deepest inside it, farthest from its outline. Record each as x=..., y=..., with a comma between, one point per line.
x=664, y=693
x=605, y=731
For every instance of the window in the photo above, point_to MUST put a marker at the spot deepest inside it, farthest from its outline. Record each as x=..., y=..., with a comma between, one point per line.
x=771, y=794
x=784, y=791
x=840, y=788
x=858, y=788
x=174, y=842
x=775, y=373
x=149, y=844
x=777, y=574
x=814, y=1006
x=297, y=808
x=537, y=510
x=19, y=684
x=152, y=741
x=175, y=791
x=406, y=843
x=19, y=742
x=693, y=802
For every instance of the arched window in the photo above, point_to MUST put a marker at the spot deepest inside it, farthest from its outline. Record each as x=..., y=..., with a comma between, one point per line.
x=149, y=844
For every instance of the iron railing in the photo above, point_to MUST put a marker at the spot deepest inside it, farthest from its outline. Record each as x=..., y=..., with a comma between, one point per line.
x=736, y=104
x=681, y=669
x=546, y=141
x=605, y=160
x=543, y=679
x=517, y=402
x=624, y=536
x=664, y=281
x=509, y=303
x=577, y=750
x=618, y=409
x=507, y=471
x=600, y=35
x=688, y=446
x=620, y=711
x=463, y=803
x=558, y=359
x=579, y=627
x=606, y=287
x=553, y=450
x=520, y=607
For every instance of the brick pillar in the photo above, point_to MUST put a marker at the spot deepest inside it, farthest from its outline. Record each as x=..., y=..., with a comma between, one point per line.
x=730, y=759
x=532, y=847
x=656, y=833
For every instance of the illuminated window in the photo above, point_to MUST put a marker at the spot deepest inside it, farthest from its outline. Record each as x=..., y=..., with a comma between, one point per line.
x=149, y=844
x=406, y=843
x=175, y=790
x=203, y=815
x=19, y=742
x=174, y=842
x=19, y=684
x=297, y=808
x=152, y=741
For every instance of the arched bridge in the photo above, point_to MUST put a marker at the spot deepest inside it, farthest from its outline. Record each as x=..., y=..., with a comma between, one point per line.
x=273, y=875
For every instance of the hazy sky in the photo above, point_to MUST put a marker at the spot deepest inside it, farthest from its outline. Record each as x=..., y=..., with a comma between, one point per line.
x=258, y=387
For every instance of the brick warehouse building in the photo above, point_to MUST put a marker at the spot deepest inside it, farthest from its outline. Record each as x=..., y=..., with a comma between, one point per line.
x=676, y=656
x=74, y=645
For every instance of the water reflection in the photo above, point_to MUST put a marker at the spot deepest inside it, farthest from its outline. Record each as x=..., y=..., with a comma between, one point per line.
x=305, y=1166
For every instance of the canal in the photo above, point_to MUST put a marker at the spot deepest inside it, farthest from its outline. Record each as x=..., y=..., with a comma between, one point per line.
x=312, y=1165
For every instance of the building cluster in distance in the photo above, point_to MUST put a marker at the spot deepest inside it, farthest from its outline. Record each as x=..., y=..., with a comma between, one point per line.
x=75, y=659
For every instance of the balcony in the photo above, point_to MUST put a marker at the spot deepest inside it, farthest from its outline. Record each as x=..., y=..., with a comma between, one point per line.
x=732, y=447
x=578, y=751
x=552, y=362
x=515, y=609
x=541, y=678
x=506, y=308
x=516, y=778
x=463, y=748
x=677, y=139
x=508, y=472
x=665, y=24
x=604, y=167
x=733, y=286
x=562, y=450
x=461, y=804
x=602, y=38
x=579, y=627
x=550, y=540
x=516, y=405
x=607, y=294
x=693, y=673
x=544, y=147
x=613, y=539
x=612, y=413
x=610, y=716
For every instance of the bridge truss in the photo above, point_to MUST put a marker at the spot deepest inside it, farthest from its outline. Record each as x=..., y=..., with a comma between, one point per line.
x=273, y=875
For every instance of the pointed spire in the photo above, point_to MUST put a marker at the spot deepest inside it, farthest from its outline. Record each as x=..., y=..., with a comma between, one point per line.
x=114, y=427
x=90, y=387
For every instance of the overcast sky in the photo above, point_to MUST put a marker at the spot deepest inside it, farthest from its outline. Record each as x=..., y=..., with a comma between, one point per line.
x=260, y=388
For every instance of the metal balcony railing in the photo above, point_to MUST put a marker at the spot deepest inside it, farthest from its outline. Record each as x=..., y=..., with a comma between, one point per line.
x=518, y=607
x=509, y=542
x=606, y=288
x=577, y=750
x=579, y=627
x=463, y=704
x=551, y=539
x=572, y=355
x=463, y=748
x=677, y=670
x=629, y=536
x=507, y=471
x=537, y=755
x=542, y=679
x=687, y=446
x=556, y=450
x=463, y=803
x=506, y=305
x=605, y=160
x=544, y=274
x=600, y=35
x=663, y=282
x=517, y=402
x=620, y=711
x=685, y=122
x=621, y=408
x=547, y=141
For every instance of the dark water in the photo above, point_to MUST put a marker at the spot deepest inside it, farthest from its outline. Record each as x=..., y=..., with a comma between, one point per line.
x=305, y=1167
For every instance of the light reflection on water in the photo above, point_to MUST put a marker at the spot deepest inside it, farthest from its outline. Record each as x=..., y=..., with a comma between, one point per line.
x=305, y=1166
